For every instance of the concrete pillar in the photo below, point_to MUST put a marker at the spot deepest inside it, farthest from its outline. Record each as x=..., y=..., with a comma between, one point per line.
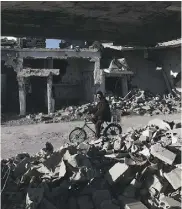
x=102, y=85
x=50, y=99
x=99, y=77
x=49, y=94
x=124, y=85
x=22, y=95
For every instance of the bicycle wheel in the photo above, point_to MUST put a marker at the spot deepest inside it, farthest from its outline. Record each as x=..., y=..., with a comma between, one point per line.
x=112, y=129
x=78, y=135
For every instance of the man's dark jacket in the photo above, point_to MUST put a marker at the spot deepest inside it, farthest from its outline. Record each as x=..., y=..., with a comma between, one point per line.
x=102, y=110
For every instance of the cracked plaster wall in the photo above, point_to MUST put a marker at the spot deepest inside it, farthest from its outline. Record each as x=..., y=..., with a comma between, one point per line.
x=171, y=61
x=146, y=76
x=77, y=83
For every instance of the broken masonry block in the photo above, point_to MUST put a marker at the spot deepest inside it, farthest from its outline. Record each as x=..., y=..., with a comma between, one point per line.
x=116, y=172
x=99, y=196
x=163, y=154
x=152, y=183
x=130, y=203
x=168, y=202
x=174, y=178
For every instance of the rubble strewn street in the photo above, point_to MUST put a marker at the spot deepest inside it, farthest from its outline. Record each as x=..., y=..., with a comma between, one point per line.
x=138, y=169
x=137, y=102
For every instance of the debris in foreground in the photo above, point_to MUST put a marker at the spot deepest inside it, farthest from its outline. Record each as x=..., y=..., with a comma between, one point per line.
x=129, y=173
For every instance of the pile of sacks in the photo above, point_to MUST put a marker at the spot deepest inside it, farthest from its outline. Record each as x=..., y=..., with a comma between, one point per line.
x=137, y=102
x=138, y=169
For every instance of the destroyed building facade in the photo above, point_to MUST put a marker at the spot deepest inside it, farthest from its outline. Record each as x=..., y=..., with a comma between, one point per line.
x=152, y=68
x=44, y=78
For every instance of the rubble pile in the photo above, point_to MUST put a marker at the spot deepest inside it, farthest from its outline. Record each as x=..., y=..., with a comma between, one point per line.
x=70, y=113
x=137, y=102
x=138, y=169
x=145, y=103
x=9, y=42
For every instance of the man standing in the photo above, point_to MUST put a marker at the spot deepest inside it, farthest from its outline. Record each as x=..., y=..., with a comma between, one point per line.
x=101, y=113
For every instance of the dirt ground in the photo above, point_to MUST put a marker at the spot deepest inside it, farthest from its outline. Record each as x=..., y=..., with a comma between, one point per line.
x=31, y=138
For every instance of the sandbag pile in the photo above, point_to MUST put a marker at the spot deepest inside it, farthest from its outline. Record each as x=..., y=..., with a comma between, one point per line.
x=138, y=169
x=137, y=102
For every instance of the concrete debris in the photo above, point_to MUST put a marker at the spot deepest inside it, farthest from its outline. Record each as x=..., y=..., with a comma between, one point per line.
x=174, y=178
x=116, y=172
x=167, y=202
x=163, y=154
x=130, y=203
x=137, y=102
x=113, y=175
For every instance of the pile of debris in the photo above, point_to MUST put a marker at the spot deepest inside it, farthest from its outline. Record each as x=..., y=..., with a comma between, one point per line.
x=145, y=103
x=71, y=113
x=9, y=42
x=137, y=102
x=138, y=169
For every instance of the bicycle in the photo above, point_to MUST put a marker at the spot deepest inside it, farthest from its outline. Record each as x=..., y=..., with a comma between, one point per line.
x=79, y=134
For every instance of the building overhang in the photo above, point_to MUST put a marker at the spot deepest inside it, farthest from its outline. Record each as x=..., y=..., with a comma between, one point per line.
x=124, y=22
x=117, y=73
x=29, y=72
x=36, y=53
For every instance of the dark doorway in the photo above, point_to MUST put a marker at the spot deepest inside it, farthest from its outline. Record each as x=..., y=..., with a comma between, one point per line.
x=62, y=65
x=9, y=92
x=36, y=95
x=113, y=85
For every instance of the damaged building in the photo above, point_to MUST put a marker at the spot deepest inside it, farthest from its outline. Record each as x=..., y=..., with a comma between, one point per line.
x=67, y=71
x=154, y=69
x=45, y=79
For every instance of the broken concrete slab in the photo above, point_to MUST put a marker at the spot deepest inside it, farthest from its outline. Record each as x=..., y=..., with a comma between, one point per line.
x=116, y=172
x=163, y=154
x=130, y=203
x=174, y=178
x=153, y=184
x=168, y=202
